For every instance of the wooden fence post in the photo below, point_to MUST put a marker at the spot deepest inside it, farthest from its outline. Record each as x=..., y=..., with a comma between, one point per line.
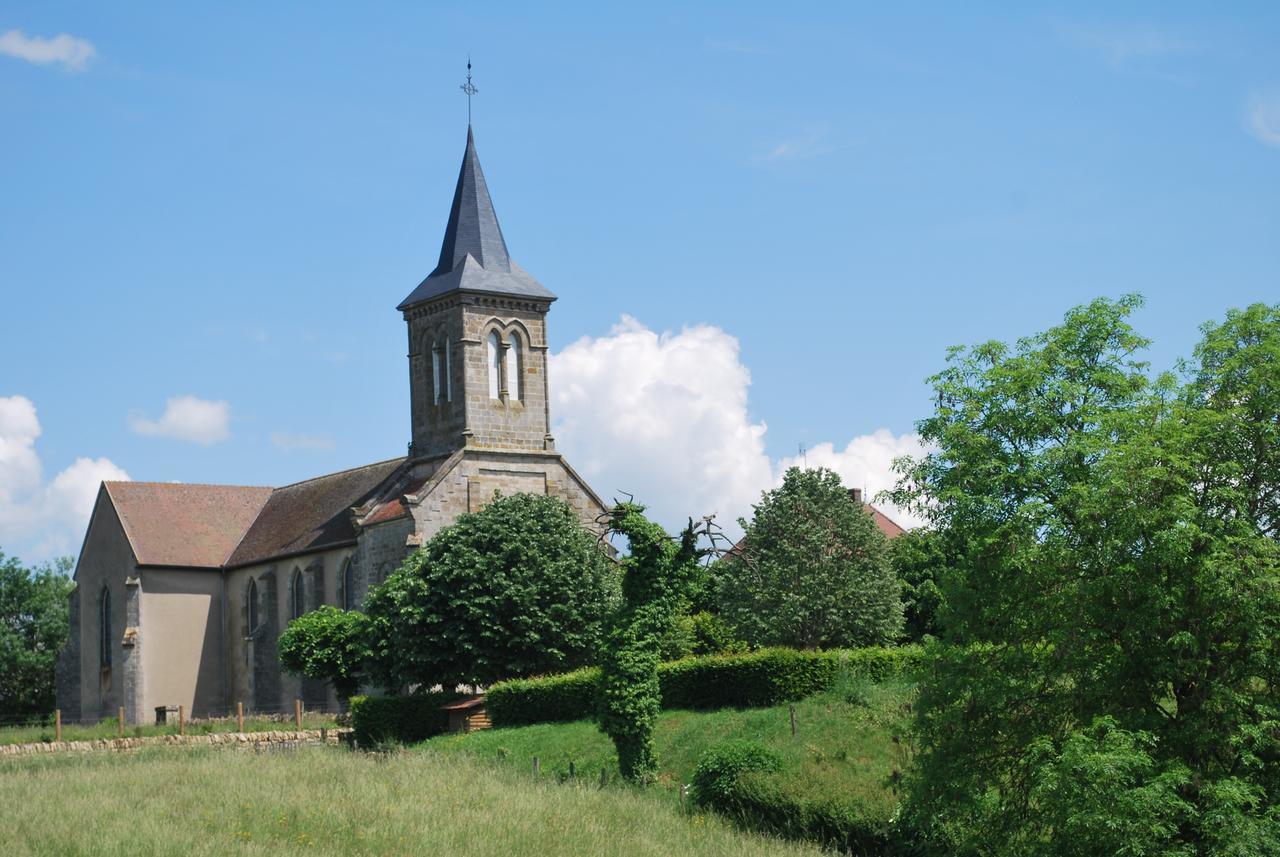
x=120, y=720
x=604, y=777
x=297, y=714
x=537, y=767
x=793, y=719
x=182, y=720
x=240, y=715
x=683, y=791
x=57, y=724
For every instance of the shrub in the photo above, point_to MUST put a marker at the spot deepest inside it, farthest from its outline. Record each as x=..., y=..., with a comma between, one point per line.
x=328, y=644
x=766, y=677
x=712, y=636
x=734, y=778
x=519, y=588
x=549, y=699
x=404, y=719
x=715, y=780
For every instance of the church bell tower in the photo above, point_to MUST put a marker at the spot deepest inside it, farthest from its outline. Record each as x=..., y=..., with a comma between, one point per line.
x=477, y=337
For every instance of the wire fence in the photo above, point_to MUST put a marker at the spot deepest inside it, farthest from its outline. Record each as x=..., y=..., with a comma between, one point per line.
x=173, y=720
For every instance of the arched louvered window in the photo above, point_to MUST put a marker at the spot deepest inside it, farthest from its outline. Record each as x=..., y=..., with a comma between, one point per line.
x=448, y=372
x=437, y=373
x=104, y=628
x=515, y=368
x=297, y=595
x=348, y=587
x=495, y=365
x=251, y=618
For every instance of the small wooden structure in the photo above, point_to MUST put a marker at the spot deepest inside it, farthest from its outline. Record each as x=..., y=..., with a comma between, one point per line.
x=467, y=714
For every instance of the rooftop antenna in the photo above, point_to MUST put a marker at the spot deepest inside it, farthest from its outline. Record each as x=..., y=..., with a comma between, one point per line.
x=804, y=458
x=470, y=89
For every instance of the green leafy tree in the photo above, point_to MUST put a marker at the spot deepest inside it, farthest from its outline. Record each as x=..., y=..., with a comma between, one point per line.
x=658, y=574
x=814, y=570
x=517, y=589
x=1114, y=601
x=918, y=557
x=33, y=628
x=330, y=645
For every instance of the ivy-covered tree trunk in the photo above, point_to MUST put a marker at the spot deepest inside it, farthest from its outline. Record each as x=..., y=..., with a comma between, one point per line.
x=656, y=576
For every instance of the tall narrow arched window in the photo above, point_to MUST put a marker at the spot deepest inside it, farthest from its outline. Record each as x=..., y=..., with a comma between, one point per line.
x=297, y=595
x=515, y=366
x=348, y=587
x=495, y=365
x=448, y=372
x=251, y=608
x=104, y=629
x=437, y=373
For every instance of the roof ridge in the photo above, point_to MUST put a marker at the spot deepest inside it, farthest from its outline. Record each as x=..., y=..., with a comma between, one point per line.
x=187, y=484
x=400, y=458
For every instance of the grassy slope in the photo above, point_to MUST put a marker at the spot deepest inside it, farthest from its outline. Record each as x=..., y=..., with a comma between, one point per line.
x=109, y=728
x=843, y=743
x=323, y=800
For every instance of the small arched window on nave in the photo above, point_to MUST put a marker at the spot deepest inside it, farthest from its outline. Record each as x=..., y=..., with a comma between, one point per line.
x=251, y=618
x=104, y=629
x=515, y=368
x=297, y=595
x=495, y=365
x=348, y=586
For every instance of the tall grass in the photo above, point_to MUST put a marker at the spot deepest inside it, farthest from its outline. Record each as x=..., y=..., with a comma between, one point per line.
x=844, y=744
x=110, y=728
x=328, y=801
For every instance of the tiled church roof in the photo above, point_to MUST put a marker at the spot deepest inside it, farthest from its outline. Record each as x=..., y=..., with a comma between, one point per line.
x=310, y=515
x=176, y=524
x=211, y=526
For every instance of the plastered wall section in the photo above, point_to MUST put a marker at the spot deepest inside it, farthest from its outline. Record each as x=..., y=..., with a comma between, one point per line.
x=182, y=627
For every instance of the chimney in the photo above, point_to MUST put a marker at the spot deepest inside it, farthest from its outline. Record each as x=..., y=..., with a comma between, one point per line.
x=857, y=494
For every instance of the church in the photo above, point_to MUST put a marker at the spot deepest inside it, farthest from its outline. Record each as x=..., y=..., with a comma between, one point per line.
x=182, y=590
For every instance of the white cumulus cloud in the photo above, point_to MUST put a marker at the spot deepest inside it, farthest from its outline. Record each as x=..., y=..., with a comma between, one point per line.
x=71, y=52
x=41, y=519
x=188, y=418
x=664, y=416
x=1262, y=118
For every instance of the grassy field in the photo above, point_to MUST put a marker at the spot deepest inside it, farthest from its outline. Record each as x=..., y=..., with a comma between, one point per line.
x=844, y=743
x=110, y=729
x=330, y=801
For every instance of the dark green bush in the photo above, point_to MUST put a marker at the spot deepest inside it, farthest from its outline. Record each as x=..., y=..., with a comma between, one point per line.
x=734, y=778
x=402, y=719
x=549, y=699
x=766, y=677
x=715, y=781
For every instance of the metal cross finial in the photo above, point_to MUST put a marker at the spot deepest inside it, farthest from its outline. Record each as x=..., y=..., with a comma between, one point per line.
x=470, y=89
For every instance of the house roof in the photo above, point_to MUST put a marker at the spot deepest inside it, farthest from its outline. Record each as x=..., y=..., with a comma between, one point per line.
x=310, y=515
x=177, y=524
x=473, y=256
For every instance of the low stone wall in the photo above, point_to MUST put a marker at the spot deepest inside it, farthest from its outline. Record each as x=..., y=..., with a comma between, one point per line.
x=248, y=740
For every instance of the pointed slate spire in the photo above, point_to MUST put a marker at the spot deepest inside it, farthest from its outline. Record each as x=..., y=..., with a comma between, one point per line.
x=473, y=228
x=474, y=257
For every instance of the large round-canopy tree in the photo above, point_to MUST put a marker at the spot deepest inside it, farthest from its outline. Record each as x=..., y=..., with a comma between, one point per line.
x=813, y=571
x=516, y=589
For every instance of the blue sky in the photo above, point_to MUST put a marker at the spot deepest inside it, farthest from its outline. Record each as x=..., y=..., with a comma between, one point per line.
x=227, y=204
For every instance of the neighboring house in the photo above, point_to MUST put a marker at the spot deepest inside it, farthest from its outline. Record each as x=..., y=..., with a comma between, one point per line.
x=182, y=590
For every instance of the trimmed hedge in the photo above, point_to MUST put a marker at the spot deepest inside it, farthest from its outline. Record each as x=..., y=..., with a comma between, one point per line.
x=551, y=699
x=762, y=678
x=404, y=719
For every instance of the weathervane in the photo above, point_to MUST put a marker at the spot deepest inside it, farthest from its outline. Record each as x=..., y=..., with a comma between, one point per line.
x=470, y=89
